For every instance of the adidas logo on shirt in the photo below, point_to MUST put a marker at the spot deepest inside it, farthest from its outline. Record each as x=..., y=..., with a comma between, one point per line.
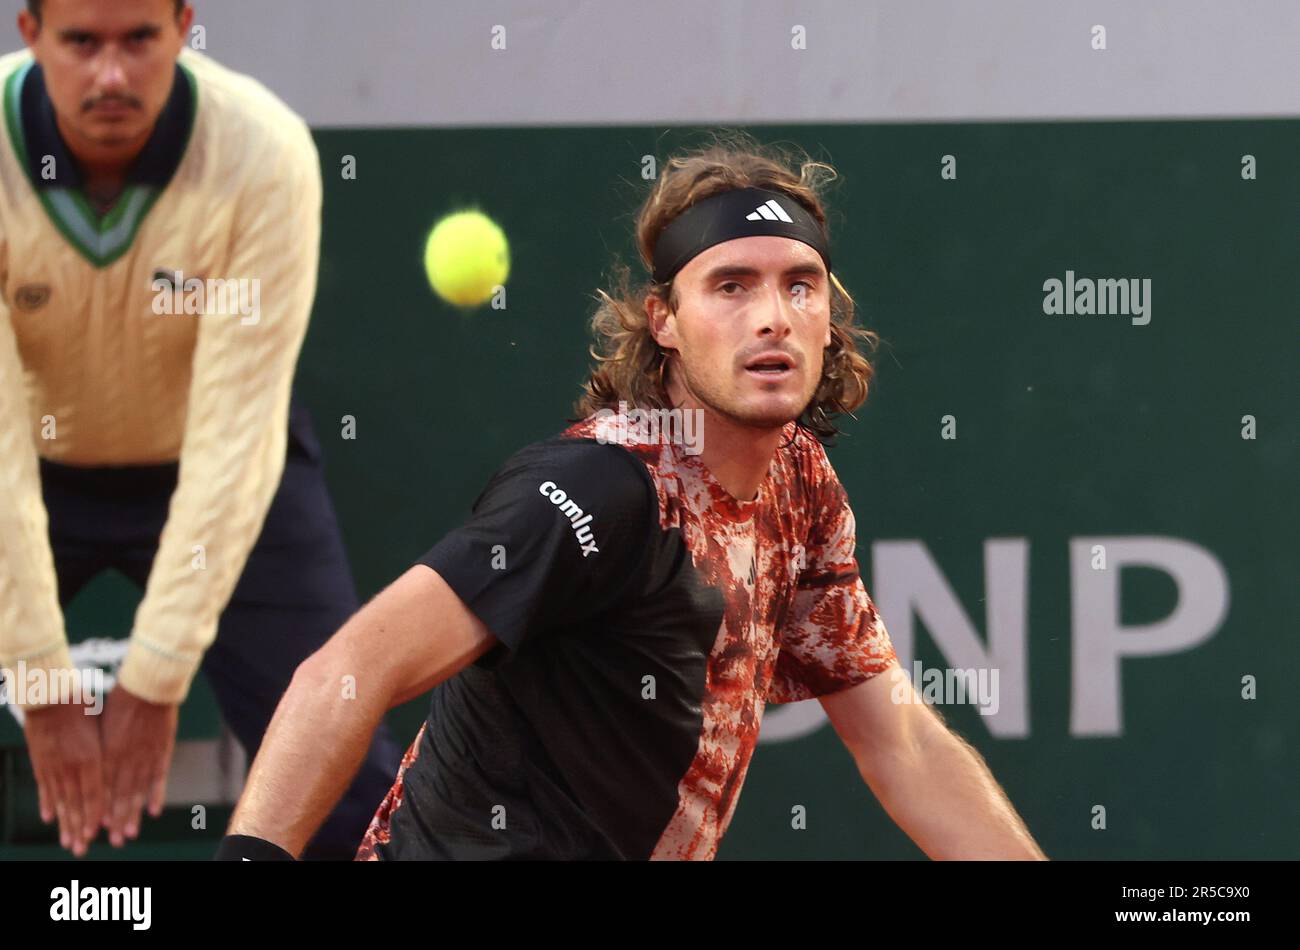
x=570, y=510
x=770, y=210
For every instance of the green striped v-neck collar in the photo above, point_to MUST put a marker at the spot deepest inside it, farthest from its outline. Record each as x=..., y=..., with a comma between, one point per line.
x=99, y=239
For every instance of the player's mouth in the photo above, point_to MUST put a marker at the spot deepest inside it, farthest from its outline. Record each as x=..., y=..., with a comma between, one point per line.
x=773, y=365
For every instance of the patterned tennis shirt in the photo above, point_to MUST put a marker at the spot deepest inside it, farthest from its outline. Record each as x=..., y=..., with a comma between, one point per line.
x=645, y=618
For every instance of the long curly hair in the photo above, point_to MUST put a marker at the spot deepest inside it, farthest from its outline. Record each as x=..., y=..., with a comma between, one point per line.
x=629, y=363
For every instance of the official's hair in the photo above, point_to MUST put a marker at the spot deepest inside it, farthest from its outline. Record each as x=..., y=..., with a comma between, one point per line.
x=34, y=7
x=629, y=363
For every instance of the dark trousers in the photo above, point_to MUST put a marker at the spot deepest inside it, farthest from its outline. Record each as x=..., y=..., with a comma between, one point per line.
x=295, y=591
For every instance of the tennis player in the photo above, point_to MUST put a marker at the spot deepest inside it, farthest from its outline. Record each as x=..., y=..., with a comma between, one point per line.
x=159, y=236
x=604, y=631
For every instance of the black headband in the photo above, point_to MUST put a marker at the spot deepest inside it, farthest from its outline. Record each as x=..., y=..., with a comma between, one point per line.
x=742, y=212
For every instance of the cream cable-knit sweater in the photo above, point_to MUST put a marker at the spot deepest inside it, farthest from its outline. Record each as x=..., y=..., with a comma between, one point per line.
x=90, y=374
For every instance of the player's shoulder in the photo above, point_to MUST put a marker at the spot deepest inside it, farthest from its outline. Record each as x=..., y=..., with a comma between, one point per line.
x=251, y=122
x=585, y=465
x=584, y=470
x=804, y=455
x=806, y=480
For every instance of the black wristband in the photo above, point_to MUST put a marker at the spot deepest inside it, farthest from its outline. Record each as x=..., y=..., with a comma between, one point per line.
x=248, y=848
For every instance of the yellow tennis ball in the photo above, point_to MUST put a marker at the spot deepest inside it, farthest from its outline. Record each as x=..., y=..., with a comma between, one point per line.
x=466, y=258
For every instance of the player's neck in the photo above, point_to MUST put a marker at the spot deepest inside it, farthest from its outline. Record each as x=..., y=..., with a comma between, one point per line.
x=738, y=456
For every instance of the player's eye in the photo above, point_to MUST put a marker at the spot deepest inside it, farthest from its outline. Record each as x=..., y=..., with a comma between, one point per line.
x=730, y=283
x=807, y=284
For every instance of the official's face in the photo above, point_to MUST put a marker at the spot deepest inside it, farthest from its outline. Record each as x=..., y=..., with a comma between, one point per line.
x=751, y=328
x=108, y=65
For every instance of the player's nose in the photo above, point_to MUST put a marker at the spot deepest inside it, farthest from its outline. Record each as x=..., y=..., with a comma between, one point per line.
x=774, y=311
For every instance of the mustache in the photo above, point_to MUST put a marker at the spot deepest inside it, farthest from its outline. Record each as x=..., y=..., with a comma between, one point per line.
x=130, y=101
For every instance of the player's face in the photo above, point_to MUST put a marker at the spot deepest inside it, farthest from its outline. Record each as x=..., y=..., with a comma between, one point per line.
x=751, y=328
x=108, y=65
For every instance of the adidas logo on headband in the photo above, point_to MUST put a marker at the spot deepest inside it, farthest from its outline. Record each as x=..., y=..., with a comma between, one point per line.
x=732, y=214
x=769, y=210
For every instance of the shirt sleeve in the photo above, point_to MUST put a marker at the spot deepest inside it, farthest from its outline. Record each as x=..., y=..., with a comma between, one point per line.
x=556, y=538
x=834, y=638
x=233, y=451
x=31, y=623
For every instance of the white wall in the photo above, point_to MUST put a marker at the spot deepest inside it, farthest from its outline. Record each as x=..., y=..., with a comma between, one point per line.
x=673, y=62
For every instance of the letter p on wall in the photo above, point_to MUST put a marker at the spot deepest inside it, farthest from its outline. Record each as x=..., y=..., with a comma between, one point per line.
x=1100, y=640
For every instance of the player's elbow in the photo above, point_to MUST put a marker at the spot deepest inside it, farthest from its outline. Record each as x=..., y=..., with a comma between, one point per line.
x=901, y=753
x=340, y=673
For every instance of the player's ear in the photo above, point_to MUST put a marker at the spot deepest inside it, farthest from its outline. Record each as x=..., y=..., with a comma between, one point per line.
x=663, y=322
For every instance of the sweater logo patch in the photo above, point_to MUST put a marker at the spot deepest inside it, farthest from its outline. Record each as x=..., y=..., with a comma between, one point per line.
x=30, y=297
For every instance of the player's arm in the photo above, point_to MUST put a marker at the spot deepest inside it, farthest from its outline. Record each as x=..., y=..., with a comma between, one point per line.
x=835, y=647
x=935, y=786
x=409, y=638
x=515, y=568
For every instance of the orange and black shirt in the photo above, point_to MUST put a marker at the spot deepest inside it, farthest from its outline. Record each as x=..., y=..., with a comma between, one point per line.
x=645, y=617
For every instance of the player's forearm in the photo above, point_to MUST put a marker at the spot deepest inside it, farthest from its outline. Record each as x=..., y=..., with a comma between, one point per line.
x=944, y=797
x=385, y=654
x=312, y=749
